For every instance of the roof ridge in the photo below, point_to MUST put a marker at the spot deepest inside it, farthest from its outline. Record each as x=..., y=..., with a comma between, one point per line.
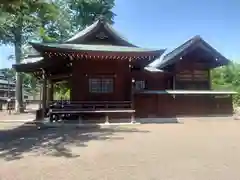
x=119, y=34
x=84, y=31
x=194, y=39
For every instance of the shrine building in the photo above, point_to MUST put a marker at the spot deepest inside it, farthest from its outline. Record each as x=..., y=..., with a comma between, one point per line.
x=110, y=78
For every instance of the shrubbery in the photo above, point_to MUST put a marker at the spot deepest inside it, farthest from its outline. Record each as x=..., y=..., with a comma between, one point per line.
x=227, y=78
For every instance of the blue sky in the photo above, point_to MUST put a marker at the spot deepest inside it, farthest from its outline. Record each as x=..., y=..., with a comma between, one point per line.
x=167, y=24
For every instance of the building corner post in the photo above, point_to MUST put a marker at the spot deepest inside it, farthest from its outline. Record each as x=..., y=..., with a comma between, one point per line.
x=49, y=92
x=44, y=93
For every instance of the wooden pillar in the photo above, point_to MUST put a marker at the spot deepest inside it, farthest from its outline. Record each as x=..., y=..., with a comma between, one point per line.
x=131, y=81
x=132, y=91
x=40, y=97
x=174, y=82
x=49, y=91
x=44, y=92
x=209, y=79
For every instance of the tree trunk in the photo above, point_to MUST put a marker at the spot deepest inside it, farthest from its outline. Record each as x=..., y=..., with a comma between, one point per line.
x=18, y=93
x=18, y=55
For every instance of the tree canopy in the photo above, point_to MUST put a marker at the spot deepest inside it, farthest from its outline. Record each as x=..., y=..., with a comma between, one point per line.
x=227, y=78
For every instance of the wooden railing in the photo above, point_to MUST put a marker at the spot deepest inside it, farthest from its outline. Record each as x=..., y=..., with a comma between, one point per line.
x=75, y=109
x=90, y=105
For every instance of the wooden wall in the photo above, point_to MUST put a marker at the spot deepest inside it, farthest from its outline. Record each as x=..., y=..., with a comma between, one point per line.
x=192, y=74
x=154, y=105
x=85, y=69
x=166, y=105
x=154, y=81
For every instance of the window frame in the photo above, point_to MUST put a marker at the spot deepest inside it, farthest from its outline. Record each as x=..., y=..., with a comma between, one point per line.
x=103, y=85
x=142, y=85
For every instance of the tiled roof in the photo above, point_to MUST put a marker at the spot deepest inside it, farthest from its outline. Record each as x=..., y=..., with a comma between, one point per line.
x=29, y=51
x=170, y=58
x=181, y=48
x=105, y=48
x=32, y=59
x=82, y=33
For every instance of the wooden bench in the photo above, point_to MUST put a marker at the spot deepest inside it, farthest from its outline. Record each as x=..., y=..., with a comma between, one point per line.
x=69, y=109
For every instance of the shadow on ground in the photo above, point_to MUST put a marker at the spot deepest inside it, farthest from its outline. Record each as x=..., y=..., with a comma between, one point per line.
x=171, y=120
x=54, y=141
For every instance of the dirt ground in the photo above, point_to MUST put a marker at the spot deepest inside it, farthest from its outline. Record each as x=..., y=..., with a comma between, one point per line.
x=189, y=150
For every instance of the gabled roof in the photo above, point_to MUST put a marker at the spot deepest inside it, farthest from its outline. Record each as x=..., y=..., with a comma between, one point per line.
x=185, y=48
x=88, y=31
x=33, y=56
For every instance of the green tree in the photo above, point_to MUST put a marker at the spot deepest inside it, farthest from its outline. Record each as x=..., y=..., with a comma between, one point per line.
x=4, y=2
x=19, y=22
x=227, y=78
x=54, y=22
x=73, y=16
x=85, y=12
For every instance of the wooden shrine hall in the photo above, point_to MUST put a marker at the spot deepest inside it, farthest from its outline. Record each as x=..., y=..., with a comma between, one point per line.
x=111, y=79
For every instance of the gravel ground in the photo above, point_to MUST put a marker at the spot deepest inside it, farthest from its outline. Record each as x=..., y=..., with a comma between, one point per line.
x=29, y=114
x=9, y=121
x=191, y=150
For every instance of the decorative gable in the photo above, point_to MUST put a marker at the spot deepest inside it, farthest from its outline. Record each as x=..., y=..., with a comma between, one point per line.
x=99, y=32
x=101, y=35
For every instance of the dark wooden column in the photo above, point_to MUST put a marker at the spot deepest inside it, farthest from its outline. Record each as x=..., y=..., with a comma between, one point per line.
x=131, y=80
x=49, y=91
x=44, y=92
x=209, y=79
x=174, y=82
x=132, y=91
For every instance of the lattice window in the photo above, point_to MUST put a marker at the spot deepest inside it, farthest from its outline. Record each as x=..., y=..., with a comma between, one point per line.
x=192, y=85
x=101, y=85
x=107, y=85
x=94, y=85
x=196, y=75
x=140, y=85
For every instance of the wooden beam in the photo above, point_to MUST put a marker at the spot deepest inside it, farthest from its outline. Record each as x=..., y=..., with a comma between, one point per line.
x=60, y=76
x=104, y=55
